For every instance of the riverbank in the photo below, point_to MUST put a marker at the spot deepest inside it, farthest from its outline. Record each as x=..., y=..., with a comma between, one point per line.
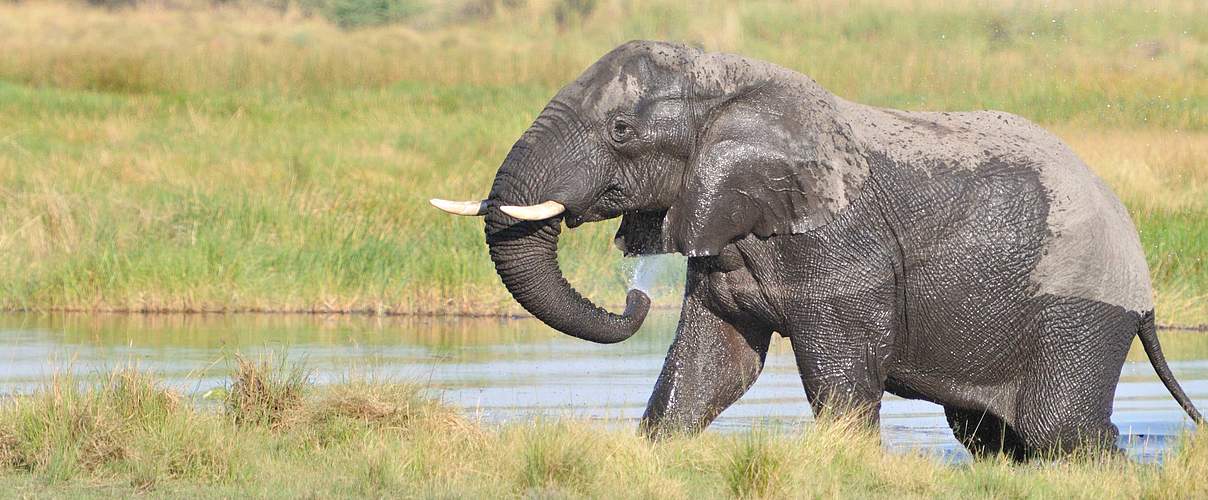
x=271, y=433
x=240, y=158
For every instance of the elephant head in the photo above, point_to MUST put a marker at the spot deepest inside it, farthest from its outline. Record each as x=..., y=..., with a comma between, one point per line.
x=694, y=150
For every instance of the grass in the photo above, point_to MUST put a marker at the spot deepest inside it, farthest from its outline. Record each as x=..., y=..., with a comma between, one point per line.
x=263, y=394
x=240, y=158
x=128, y=433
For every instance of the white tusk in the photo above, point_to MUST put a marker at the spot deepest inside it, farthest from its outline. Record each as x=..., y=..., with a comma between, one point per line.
x=460, y=207
x=534, y=212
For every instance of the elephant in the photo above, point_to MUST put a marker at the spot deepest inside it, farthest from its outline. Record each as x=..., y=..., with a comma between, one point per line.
x=969, y=259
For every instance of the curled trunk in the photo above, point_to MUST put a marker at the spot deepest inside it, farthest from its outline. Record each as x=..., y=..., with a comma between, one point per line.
x=525, y=256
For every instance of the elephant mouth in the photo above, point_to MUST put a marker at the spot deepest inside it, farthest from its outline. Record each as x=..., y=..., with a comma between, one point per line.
x=573, y=219
x=641, y=233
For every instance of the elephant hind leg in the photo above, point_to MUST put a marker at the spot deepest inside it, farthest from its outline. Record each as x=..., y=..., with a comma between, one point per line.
x=1054, y=415
x=1053, y=422
x=984, y=434
x=1064, y=403
x=1056, y=428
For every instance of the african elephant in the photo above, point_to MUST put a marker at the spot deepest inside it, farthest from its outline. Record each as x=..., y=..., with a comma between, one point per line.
x=967, y=258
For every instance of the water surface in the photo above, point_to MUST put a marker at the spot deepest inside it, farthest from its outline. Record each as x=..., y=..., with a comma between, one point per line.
x=504, y=370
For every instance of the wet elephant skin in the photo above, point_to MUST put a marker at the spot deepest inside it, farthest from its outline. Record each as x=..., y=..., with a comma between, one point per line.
x=969, y=259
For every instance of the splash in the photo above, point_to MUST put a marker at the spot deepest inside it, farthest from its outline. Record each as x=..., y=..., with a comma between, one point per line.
x=646, y=273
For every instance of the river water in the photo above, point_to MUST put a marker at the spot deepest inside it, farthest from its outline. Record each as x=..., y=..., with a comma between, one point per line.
x=505, y=370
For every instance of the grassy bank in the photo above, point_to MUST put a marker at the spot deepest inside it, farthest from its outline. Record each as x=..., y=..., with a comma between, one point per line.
x=272, y=434
x=244, y=158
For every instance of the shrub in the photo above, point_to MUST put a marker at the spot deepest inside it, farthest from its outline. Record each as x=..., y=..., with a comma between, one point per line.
x=351, y=14
x=112, y=4
x=266, y=393
x=568, y=13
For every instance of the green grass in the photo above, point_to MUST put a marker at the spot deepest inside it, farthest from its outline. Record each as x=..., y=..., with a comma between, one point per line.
x=1176, y=245
x=128, y=434
x=238, y=158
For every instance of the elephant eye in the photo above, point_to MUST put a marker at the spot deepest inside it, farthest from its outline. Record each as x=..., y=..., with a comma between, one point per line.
x=621, y=131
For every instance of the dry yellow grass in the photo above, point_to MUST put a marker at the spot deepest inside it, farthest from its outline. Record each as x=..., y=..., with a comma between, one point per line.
x=1152, y=170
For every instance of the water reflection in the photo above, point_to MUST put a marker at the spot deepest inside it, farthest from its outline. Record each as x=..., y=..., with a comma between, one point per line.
x=505, y=369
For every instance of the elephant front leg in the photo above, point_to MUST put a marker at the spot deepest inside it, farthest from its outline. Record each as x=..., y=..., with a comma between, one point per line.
x=710, y=365
x=842, y=377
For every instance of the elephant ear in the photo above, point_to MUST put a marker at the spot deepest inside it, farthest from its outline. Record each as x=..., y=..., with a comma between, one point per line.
x=768, y=165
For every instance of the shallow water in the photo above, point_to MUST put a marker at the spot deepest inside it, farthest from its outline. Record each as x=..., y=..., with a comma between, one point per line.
x=506, y=370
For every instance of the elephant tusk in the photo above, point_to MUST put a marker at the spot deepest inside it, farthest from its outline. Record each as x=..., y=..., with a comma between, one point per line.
x=460, y=207
x=534, y=212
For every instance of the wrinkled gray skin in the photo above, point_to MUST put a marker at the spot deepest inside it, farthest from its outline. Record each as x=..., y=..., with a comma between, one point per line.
x=968, y=259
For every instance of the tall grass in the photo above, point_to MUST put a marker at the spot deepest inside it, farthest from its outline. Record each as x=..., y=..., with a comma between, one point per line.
x=129, y=434
x=263, y=393
x=243, y=158
x=1093, y=63
x=128, y=425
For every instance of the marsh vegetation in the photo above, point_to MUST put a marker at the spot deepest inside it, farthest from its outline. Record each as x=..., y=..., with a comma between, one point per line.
x=254, y=156
x=274, y=434
x=509, y=408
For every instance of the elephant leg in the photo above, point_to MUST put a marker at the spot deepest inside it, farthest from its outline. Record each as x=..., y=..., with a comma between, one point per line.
x=842, y=378
x=1058, y=421
x=710, y=365
x=983, y=433
x=1059, y=414
x=1065, y=399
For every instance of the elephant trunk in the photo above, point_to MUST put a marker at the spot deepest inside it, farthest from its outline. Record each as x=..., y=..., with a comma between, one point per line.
x=525, y=254
x=548, y=171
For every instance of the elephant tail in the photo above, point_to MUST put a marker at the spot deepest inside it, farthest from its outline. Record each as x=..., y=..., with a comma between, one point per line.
x=1149, y=340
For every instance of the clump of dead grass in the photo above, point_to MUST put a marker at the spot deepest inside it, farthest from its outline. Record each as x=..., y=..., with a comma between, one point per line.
x=268, y=391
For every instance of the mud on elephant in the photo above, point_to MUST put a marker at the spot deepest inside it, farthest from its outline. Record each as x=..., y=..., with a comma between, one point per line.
x=969, y=259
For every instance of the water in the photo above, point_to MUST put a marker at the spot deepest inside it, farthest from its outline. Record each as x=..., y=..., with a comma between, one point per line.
x=505, y=370
x=647, y=271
